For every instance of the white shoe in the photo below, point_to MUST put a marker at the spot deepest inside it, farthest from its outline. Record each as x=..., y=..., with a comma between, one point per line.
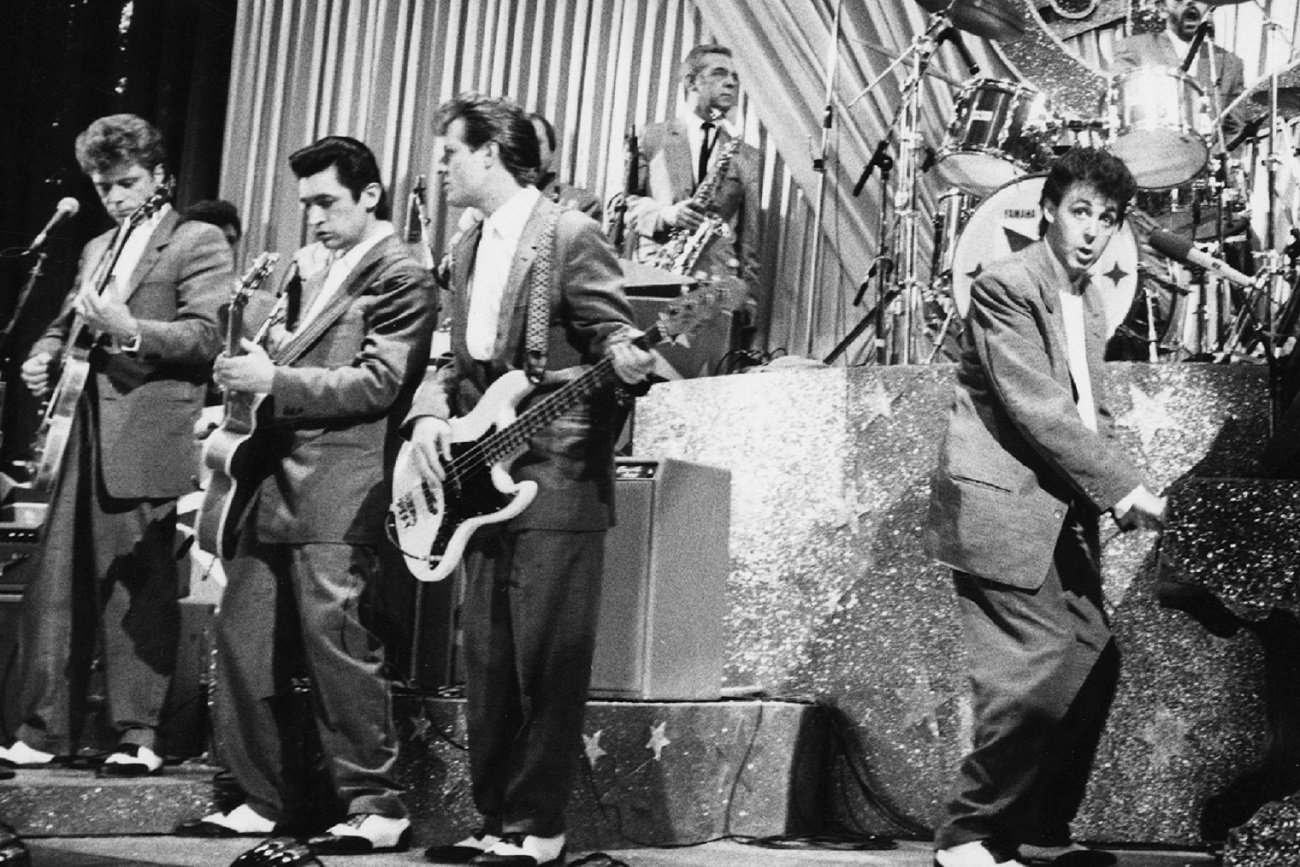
x=364, y=832
x=243, y=821
x=544, y=851
x=20, y=755
x=972, y=854
x=131, y=760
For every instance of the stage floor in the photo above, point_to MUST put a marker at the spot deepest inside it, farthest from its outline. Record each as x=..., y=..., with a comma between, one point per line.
x=178, y=852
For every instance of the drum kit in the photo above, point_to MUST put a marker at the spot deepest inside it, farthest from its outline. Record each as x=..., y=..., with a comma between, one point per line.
x=993, y=159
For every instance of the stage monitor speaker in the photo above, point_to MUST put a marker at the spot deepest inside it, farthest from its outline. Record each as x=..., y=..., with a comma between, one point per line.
x=661, y=631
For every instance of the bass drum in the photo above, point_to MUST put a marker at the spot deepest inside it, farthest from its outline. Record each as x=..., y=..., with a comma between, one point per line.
x=1007, y=221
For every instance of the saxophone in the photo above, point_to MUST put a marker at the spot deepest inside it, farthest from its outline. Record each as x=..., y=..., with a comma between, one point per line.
x=684, y=246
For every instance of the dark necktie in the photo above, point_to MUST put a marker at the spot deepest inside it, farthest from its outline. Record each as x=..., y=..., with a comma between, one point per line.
x=706, y=149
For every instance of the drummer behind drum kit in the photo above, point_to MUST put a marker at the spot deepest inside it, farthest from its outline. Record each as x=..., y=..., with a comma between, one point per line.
x=995, y=153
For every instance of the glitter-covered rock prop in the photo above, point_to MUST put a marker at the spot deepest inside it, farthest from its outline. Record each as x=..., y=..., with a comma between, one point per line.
x=1270, y=839
x=830, y=594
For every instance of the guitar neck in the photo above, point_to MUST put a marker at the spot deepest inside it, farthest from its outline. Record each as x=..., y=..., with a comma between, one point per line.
x=513, y=438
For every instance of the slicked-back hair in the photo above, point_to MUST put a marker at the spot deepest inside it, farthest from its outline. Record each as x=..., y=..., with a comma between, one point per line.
x=693, y=62
x=119, y=139
x=551, y=140
x=496, y=119
x=218, y=212
x=353, y=162
x=1104, y=171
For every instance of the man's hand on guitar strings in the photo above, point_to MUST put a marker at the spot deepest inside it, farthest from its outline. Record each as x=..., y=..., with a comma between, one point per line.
x=107, y=315
x=253, y=372
x=431, y=446
x=631, y=363
x=36, y=373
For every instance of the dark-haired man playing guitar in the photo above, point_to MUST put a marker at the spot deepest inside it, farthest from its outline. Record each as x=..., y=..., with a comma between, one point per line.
x=146, y=297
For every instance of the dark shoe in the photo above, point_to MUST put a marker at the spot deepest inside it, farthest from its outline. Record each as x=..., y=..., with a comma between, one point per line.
x=362, y=834
x=242, y=821
x=12, y=851
x=463, y=852
x=525, y=850
x=7, y=773
x=131, y=760
x=1068, y=855
x=278, y=852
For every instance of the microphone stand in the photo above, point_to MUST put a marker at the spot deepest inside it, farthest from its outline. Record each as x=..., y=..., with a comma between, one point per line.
x=881, y=268
x=819, y=166
x=33, y=275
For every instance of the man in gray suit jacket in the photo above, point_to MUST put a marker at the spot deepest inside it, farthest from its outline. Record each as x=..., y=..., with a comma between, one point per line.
x=1026, y=468
x=344, y=353
x=671, y=168
x=534, y=287
x=111, y=528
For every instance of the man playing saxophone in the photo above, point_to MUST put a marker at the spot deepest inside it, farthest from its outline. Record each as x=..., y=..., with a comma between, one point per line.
x=696, y=206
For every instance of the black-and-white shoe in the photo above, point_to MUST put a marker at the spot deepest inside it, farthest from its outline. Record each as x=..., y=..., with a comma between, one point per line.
x=462, y=851
x=363, y=833
x=131, y=760
x=524, y=850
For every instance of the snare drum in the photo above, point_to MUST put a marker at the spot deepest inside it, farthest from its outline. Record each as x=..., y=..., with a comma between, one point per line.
x=1007, y=221
x=995, y=137
x=1157, y=121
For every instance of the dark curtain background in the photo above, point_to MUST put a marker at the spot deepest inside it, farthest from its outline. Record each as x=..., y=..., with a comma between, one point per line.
x=64, y=63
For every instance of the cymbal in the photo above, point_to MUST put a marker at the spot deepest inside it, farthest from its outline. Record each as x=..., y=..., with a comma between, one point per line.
x=1288, y=94
x=991, y=19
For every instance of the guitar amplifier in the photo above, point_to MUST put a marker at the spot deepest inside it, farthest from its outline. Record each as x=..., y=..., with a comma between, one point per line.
x=21, y=526
x=662, y=606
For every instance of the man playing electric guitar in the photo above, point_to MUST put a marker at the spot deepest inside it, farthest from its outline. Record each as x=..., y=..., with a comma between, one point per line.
x=110, y=531
x=534, y=288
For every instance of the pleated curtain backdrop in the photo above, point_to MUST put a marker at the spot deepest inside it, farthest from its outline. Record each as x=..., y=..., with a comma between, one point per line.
x=378, y=69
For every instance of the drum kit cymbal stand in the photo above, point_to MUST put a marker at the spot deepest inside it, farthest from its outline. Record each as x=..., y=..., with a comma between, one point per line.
x=894, y=269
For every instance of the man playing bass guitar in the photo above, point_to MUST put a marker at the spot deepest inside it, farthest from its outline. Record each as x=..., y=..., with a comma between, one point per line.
x=143, y=317
x=537, y=288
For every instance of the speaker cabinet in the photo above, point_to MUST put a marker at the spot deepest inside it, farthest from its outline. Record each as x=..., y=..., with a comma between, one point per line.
x=661, y=614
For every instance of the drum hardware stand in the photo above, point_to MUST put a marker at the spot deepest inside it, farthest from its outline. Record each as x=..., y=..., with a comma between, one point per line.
x=819, y=166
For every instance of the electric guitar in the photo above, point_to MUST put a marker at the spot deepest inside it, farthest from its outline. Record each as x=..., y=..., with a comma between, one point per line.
x=51, y=444
x=431, y=523
x=230, y=451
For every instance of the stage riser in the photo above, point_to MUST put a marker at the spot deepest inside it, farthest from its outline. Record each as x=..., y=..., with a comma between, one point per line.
x=652, y=772
x=829, y=592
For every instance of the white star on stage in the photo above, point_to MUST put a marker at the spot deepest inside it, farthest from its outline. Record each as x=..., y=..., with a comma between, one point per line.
x=591, y=744
x=658, y=740
x=420, y=726
x=878, y=402
x=1150, y=414
x=919, y=703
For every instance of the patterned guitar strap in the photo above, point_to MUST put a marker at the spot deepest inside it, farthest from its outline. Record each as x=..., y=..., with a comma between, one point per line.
x=537, y=325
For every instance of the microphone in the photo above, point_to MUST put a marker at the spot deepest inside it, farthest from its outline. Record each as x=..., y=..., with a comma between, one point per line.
x=1206, y=27
x=1181, y=250
x=879, y=158
x=953, y=35
x=66, y=207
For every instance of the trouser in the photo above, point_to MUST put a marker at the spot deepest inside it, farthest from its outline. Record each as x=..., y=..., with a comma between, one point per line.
x=1043, y=671
x=530, y=611
x=108, y=570
x=291, y=610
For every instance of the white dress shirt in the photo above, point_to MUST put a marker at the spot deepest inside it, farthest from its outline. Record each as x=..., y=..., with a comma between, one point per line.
x=1077, y=353
x=491, y=271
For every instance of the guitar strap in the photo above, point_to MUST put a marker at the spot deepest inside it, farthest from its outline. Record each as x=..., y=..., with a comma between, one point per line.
x=537, y=324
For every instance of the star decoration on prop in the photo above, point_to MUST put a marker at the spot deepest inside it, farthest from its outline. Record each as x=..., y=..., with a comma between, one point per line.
x=1150, y=414
x=658, y=740
x=420, y=726
x=1167, y=735
x=850, y=508
x=878, y=402
x=591, y=744
x=978, y=270
x=919, y=703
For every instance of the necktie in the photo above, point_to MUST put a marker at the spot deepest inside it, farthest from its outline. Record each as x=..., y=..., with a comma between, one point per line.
x=706, y=149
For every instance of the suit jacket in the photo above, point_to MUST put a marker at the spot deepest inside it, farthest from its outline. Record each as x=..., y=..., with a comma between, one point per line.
x=148, y=401
x=1016, y=453
x=1156, y=49
x=572, y=460
x=666, y=175
x=342, y=383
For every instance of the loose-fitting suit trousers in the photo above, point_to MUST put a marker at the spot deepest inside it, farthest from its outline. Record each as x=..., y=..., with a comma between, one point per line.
x=108, y=569
x=297, y=609
x=531, y=605
x=1043, y=670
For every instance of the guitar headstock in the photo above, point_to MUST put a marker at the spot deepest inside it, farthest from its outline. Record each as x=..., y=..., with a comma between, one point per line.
x=256, y=274
x=687, y=312
x=161, y=196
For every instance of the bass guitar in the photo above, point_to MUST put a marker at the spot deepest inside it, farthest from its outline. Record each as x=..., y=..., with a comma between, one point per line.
x=230, y=451
x=431, y=523
x=56, y=423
